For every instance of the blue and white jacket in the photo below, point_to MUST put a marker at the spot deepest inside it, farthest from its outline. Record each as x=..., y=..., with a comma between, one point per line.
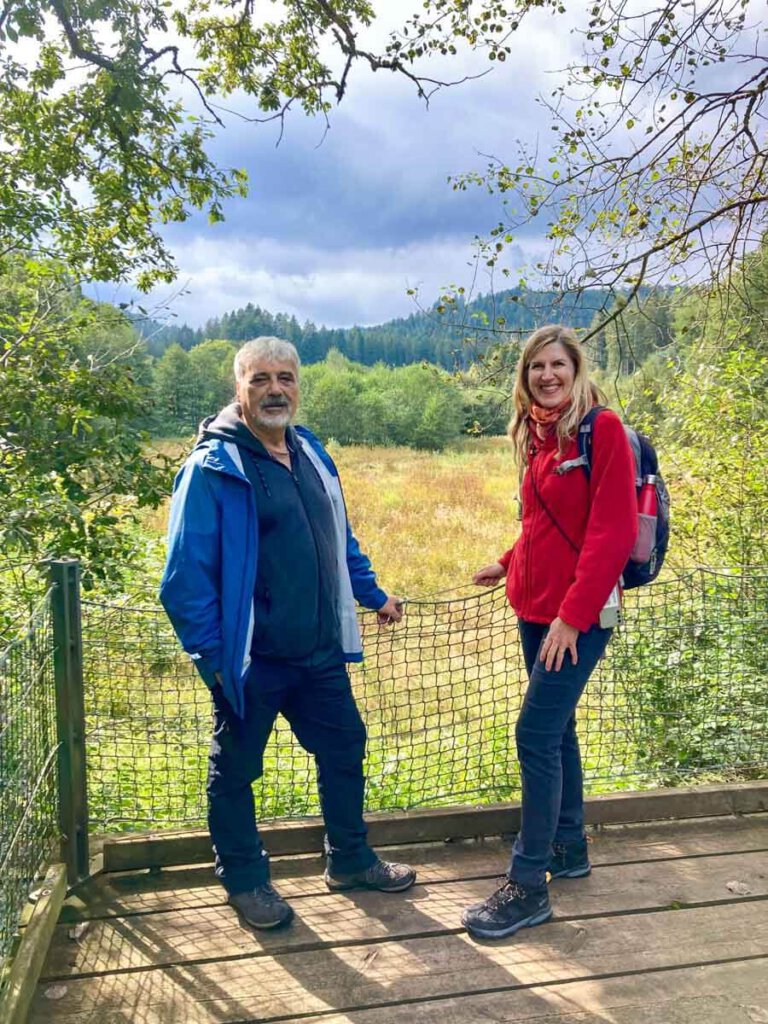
x=213, y=548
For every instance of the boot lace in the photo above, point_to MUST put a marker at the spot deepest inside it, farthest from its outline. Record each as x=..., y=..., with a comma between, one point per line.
x=506, y=893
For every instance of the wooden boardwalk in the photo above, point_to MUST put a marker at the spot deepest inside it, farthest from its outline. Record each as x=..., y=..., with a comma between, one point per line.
x=671, y=928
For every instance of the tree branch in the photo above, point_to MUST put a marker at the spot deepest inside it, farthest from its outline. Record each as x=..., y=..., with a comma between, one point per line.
x=78, y=50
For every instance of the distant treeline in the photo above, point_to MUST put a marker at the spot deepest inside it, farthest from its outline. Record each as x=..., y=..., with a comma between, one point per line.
x=451, y=334
x=419, y=405
x=80, y=394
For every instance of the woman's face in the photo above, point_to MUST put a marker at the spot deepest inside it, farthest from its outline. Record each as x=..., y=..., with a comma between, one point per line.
x=550, y=375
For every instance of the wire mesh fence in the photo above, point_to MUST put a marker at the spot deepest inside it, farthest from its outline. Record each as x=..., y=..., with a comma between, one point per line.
x=682, y=694
x=23, y=585
x=28, y=786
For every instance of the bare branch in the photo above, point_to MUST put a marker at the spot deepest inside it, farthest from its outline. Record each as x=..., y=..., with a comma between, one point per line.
x=619, y=308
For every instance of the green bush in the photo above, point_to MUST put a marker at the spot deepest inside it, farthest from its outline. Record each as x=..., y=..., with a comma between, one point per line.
x=417, y=406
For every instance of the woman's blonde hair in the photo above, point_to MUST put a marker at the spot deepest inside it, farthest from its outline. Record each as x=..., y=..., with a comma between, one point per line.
x=583, y=396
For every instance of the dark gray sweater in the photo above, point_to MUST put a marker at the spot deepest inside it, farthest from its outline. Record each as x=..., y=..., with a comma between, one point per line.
x=297, y=574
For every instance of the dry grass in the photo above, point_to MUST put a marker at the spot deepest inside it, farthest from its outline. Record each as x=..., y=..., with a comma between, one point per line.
x=440, y=692
x=427, y=520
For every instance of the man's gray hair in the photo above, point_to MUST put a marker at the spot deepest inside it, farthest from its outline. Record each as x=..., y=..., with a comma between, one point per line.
x=276, y=349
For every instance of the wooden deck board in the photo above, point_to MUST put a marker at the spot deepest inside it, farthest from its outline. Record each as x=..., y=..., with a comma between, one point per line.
x=733, y=993
x=730, y=993
x=180, y=888
x=175, y=936
x=656, y=915
x=416, y=970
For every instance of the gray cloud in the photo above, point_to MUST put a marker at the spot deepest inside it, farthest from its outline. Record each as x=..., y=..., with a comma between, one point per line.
x=339, y=223
x=334, y=288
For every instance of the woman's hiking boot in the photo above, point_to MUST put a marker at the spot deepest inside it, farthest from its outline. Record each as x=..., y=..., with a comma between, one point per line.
x=570, y=860
x=507, y=910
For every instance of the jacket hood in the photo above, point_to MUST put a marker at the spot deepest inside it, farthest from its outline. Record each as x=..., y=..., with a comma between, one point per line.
x=227, y=426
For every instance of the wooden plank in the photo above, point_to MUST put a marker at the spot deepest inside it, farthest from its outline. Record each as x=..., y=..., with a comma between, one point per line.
x=421, y=969
x=178, y=888
x=174, y=888
x=686, y=802
x=430, y=824
x=32, y=950
x=730, y=993
x=333, y=919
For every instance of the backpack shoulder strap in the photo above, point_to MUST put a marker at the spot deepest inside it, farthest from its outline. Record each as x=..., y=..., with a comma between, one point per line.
x=585, y=437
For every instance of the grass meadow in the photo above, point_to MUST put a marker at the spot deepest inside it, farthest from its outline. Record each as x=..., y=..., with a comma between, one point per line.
x=677, y=697
x=427, y=520
x=438, y=692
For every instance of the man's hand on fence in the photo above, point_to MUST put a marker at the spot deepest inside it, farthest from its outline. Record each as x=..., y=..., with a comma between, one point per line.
x=391, y=611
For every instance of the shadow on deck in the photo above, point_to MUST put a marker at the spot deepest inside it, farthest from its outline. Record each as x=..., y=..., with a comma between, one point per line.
x=670, y=928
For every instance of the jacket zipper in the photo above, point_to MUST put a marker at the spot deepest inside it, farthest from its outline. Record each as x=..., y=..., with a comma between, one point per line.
x=528, y=587
x=318, y=607
x=246, y=599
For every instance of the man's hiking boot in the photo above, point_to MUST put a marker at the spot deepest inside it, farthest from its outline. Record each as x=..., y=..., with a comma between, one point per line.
x=569, y=860
x=382, y=875
x=262, y=907
x=507, y=910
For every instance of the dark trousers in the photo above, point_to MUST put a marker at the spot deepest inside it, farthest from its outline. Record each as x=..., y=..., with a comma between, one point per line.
x=548, y=751
x=315, y=696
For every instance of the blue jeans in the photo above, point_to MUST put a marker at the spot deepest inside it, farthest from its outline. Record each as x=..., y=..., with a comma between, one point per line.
x=548, y=751
x=315, y=696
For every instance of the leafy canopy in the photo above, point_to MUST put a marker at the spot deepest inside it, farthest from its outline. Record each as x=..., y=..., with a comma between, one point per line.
x=73, y=465
x=99, y=149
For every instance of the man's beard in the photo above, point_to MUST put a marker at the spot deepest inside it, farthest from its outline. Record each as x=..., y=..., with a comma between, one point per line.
x=274, y=416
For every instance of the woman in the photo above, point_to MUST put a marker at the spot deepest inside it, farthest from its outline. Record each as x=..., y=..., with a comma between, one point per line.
x=577, y=533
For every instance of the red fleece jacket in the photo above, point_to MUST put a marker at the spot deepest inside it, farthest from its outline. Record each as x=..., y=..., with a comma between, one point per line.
x=546, y=577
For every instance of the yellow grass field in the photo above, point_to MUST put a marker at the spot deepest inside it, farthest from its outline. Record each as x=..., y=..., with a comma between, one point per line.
x=441, y=691
x=426, y=519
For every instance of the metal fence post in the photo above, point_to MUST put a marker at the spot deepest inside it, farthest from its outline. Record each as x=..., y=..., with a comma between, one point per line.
x=70, y=716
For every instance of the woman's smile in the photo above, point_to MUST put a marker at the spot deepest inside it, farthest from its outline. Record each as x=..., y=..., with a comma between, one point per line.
x=550, y=376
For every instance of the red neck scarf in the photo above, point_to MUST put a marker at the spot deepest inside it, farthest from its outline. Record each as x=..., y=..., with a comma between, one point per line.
x=543, y=421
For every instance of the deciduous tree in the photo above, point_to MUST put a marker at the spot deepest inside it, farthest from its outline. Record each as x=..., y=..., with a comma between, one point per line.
x=657, y=168
x=73, y=464
x=106, y=111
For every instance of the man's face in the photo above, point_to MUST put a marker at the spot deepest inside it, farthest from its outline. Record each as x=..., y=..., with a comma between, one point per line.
x=268, y=393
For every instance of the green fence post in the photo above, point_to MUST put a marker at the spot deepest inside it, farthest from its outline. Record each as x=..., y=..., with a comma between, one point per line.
x=70, y=716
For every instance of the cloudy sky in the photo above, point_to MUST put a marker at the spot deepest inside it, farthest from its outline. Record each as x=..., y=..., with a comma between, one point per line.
x=338, y=225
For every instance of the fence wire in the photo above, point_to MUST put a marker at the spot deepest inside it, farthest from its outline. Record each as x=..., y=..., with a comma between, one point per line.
x=28, y=747
x=682, y=694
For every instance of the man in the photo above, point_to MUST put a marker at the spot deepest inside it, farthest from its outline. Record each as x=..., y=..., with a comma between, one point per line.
x=260, y=585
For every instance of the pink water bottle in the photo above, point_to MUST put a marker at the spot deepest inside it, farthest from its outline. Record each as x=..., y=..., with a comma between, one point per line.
x=647, y=511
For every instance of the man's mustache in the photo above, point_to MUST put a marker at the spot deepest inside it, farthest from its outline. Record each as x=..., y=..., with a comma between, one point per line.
x=274, y=403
